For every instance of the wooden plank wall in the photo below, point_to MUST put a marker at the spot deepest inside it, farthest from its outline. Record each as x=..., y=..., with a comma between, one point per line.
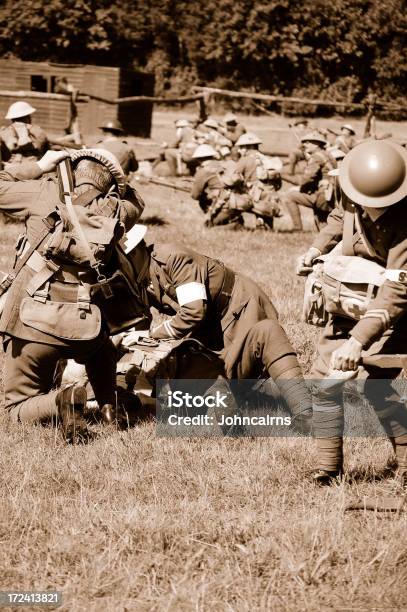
x=109, y=82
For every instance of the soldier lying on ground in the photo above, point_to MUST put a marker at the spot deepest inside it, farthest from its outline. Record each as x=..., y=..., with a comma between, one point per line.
x=227, y=312
x=49, y=311
x=371, y=225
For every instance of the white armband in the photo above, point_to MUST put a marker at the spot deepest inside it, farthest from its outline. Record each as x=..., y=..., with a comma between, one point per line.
x=190, y=292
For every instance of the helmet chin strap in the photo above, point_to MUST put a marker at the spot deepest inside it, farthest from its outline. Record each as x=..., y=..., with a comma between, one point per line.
x=375, y=213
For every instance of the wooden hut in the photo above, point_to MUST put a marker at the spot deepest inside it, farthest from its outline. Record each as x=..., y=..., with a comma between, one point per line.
x=103, y=81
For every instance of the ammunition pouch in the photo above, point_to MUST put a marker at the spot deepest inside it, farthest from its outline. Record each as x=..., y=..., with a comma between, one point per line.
x=61, y=319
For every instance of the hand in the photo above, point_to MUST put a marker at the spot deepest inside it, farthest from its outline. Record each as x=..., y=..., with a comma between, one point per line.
x=132, y=337
x=347, y=357
x=51, y=159
x=304, y=263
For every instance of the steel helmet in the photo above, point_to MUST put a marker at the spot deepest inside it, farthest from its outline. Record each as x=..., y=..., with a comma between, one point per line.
x=336, y=153
x=347, y=126
x=182, y=123
x=314, y=137
x=211, y=123
x=112, y=126
x=230, y=118
x=20, y=109
x=108, y=160
x=374, y=174
x=249, y=138
x=203, y=151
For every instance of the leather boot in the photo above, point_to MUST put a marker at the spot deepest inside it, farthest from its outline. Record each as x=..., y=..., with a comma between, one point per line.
x=71, y=402
x=114, y=415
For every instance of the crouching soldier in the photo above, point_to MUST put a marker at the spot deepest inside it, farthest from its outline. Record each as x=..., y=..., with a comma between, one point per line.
x=371, y=225
x=216, y=187
x=315, y=189
x=227, y=312
x=261, y=174
x=50, y=312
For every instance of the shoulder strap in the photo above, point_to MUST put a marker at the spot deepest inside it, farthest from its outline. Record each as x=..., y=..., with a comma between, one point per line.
x=348, y=232
x=49, y=223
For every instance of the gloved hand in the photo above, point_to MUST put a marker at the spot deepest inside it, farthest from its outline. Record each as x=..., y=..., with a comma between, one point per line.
x=304, y=263
x=51, y=159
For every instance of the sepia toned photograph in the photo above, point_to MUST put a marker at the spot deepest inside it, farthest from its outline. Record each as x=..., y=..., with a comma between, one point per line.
x=203, y=305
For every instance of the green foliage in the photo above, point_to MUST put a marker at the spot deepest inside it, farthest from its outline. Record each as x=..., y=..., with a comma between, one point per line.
x=336, y=50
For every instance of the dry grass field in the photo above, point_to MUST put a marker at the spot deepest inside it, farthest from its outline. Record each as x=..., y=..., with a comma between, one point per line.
x=137, y=522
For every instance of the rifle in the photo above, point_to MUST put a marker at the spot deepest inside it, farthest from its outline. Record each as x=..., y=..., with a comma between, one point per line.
x=163, y=183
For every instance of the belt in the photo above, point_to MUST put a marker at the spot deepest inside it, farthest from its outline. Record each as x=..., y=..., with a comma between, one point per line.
x=224, y=295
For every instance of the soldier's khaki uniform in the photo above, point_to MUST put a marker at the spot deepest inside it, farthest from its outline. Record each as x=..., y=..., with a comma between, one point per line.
x=382, y=330
x=315, y=191
x=218, y=202
x=22, y=142
x=122, y=151
x=34, y=342
x=227, y=312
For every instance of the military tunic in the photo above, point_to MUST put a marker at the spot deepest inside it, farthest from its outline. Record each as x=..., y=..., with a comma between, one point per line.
x=33, y=350
x=22, y=141
x=315, y=190
x=213, y=197
x=381, y=330
x=123, y=152
x=228, y=312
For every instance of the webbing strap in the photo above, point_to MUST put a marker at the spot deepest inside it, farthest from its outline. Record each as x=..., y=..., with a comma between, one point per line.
x=348, y=232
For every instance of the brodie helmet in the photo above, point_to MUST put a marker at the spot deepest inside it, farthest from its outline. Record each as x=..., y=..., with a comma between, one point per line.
x=314, y=137
x=20, y=109
x=347, y=126
x=180, y=123
x=374, y=174
x=204, y=151
x=108, y=160
x=247, y=139
x=112, y=126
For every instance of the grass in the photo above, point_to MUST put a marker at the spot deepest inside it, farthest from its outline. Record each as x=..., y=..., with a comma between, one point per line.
x=137, y=522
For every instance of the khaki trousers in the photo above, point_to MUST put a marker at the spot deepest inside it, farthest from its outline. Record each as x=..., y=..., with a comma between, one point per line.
x=29, y=375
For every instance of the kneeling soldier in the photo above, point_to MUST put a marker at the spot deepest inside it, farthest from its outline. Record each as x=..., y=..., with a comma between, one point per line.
x=49, y=313
x=373, y=180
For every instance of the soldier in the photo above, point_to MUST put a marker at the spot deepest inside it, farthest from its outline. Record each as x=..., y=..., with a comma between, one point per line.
x=114, y=143
x=49, y=313
x=216, y=199
x=213, y=136
x=315, y=186
x=373, y=180
x=227, y=312
x=346, y=139
x=262, y=178
x=232, y=128
x=21, y=140
x=180, y=153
